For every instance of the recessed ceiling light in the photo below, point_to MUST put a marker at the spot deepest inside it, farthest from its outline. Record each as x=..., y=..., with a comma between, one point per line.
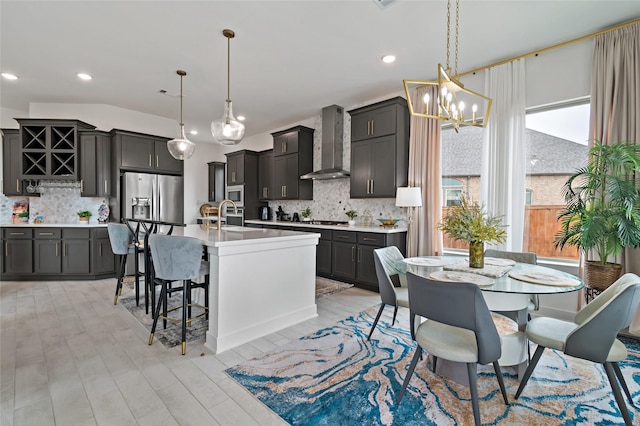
x=387, y=59
x=9, y=76
x=84, y=76
x=194, y=132
x=241, y=117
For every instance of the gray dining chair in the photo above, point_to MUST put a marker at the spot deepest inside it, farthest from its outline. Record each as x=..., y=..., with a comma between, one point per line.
x=177, y=258
x=385, y=260
x=592, y=335
x=458, y=327
x=121, y=245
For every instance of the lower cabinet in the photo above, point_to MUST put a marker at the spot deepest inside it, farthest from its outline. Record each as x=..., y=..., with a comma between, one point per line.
x=56, y=253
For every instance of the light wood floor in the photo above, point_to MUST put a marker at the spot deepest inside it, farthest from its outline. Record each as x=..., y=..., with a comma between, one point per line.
x=70, y=357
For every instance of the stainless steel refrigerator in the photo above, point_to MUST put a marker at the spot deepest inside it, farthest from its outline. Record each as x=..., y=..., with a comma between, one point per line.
x=153, y=197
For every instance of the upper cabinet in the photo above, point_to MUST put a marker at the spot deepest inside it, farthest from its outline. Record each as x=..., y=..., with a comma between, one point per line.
x=379, y=148
x=95, y=164
x=265, y=175
x=138, y=152
x=236, y=166
x=216, y=181
x=49, y=148
x=11, y=152
x=292, y=158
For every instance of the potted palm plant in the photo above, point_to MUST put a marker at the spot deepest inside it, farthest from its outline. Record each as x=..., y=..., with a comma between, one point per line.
x=84, y=216
x=351, y=214
x=469, y=222
x=602, y=212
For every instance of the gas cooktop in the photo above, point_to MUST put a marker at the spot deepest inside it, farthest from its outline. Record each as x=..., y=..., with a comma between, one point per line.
x=328, y=222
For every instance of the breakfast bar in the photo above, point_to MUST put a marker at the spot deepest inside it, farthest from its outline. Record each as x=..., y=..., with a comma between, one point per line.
x=262, y=280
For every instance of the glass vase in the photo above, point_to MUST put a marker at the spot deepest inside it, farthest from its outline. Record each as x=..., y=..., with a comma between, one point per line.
x=476, y=254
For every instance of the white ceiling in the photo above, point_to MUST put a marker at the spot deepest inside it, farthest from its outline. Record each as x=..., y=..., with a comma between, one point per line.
x=288, y=59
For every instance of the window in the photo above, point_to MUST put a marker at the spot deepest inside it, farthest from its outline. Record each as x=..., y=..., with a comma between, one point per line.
x=556, y=138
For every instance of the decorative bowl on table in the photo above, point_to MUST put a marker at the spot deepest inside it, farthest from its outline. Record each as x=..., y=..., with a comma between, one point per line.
x=389, y=221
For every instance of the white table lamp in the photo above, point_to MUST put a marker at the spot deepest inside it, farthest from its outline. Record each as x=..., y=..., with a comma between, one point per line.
x=410, y=196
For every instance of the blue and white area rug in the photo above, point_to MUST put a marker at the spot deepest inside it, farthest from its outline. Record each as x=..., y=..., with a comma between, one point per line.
x=335, y=377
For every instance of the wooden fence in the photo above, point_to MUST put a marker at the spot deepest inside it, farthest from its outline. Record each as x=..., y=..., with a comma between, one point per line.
x=540, y=227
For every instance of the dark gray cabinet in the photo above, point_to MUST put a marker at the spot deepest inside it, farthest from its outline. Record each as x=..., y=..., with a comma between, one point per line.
x=352, y=255
x=292, y=157
x=95, y=164
x=43, y=253
x=265, y=175
x=216, y=181
x=139, y=152
x=237, y=163
x=323, y=253
x=18, y=253
x=11, y=159
x=49, y=148
x=379, y=149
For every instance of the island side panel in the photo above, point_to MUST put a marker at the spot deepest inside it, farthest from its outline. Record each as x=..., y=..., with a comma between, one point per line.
x=259, y=289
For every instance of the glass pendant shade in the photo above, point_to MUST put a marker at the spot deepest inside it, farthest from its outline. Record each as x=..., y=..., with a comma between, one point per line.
x=227, y=130
x=181, y=148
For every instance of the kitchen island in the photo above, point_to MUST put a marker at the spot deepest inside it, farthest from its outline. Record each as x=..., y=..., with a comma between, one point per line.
x=262, y=280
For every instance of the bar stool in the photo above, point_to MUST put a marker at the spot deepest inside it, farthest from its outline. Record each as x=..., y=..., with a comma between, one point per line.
x=120, y=239
x=177, y=258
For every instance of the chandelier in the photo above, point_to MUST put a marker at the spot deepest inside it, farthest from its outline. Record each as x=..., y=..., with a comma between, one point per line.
x=227, y=130
x=181, y=148
x=453, y=102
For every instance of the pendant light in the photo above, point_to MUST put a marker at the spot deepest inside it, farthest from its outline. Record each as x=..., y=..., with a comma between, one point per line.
x=227, y=130
x=181, y=148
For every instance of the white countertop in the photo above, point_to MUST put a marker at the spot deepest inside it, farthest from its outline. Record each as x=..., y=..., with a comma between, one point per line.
x=238, y=236
x=356, y=228
x=53, y=225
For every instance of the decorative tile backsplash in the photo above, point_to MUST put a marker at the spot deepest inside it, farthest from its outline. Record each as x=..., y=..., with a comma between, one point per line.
x=58, y=203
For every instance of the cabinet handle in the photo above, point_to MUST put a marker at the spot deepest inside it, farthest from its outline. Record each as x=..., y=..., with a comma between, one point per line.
x=368, y=239
x=16, y=233
x=45, y=233
x=285, y=190
x=105, y=186
x=284, y=147
x=368, y=186
x=157, y=161
x=233, y=176
x=372, y=191
x=212, y=195
x=64, y=249
x=342, y=236
x=149, y=160
x=372, y=128
x=359, y=252
x=353, y=253
x=17, y=185
x=81, y=185
x=6, y=249
x=56, y=249
x=100, y=249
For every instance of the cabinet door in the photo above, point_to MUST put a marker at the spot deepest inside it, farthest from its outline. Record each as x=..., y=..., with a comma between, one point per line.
x=360, y=126
x=18, y=256
x=76, y=256
x=104, y=259
x=164, y=161
x=216, y=181
x=383, y=167
x=11, y=159
x=383, y=121
x=285, y=177
x=88, y=166
x=265, y=176
x=360, y=169
x=47, y=257
x=286, y=143
x=366, y=268
x=323, y=258
x=136, y=152
x=104, y=166
x=235, y=169
x=344, y=261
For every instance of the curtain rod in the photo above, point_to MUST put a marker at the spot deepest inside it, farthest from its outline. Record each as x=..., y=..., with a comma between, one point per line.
x=555, y=46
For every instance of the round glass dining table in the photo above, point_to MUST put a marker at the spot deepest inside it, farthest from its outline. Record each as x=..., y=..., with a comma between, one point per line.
x=539, y=279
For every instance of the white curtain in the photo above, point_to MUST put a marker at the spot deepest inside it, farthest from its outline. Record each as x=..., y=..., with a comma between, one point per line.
x=502, y=183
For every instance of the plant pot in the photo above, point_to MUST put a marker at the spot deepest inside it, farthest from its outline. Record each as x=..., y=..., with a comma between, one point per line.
x=84, y=220
x=476, y=254
x=600, y=277
x=351, y=223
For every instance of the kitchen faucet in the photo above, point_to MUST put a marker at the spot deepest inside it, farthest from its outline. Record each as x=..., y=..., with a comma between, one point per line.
x=235, y=210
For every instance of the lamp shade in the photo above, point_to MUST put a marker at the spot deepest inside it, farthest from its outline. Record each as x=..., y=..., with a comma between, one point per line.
x=409, y=196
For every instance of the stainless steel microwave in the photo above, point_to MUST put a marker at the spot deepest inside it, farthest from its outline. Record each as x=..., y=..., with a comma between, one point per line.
x=235, y=193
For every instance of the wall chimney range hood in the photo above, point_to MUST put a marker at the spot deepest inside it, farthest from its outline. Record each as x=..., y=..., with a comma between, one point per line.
x=331, y=145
